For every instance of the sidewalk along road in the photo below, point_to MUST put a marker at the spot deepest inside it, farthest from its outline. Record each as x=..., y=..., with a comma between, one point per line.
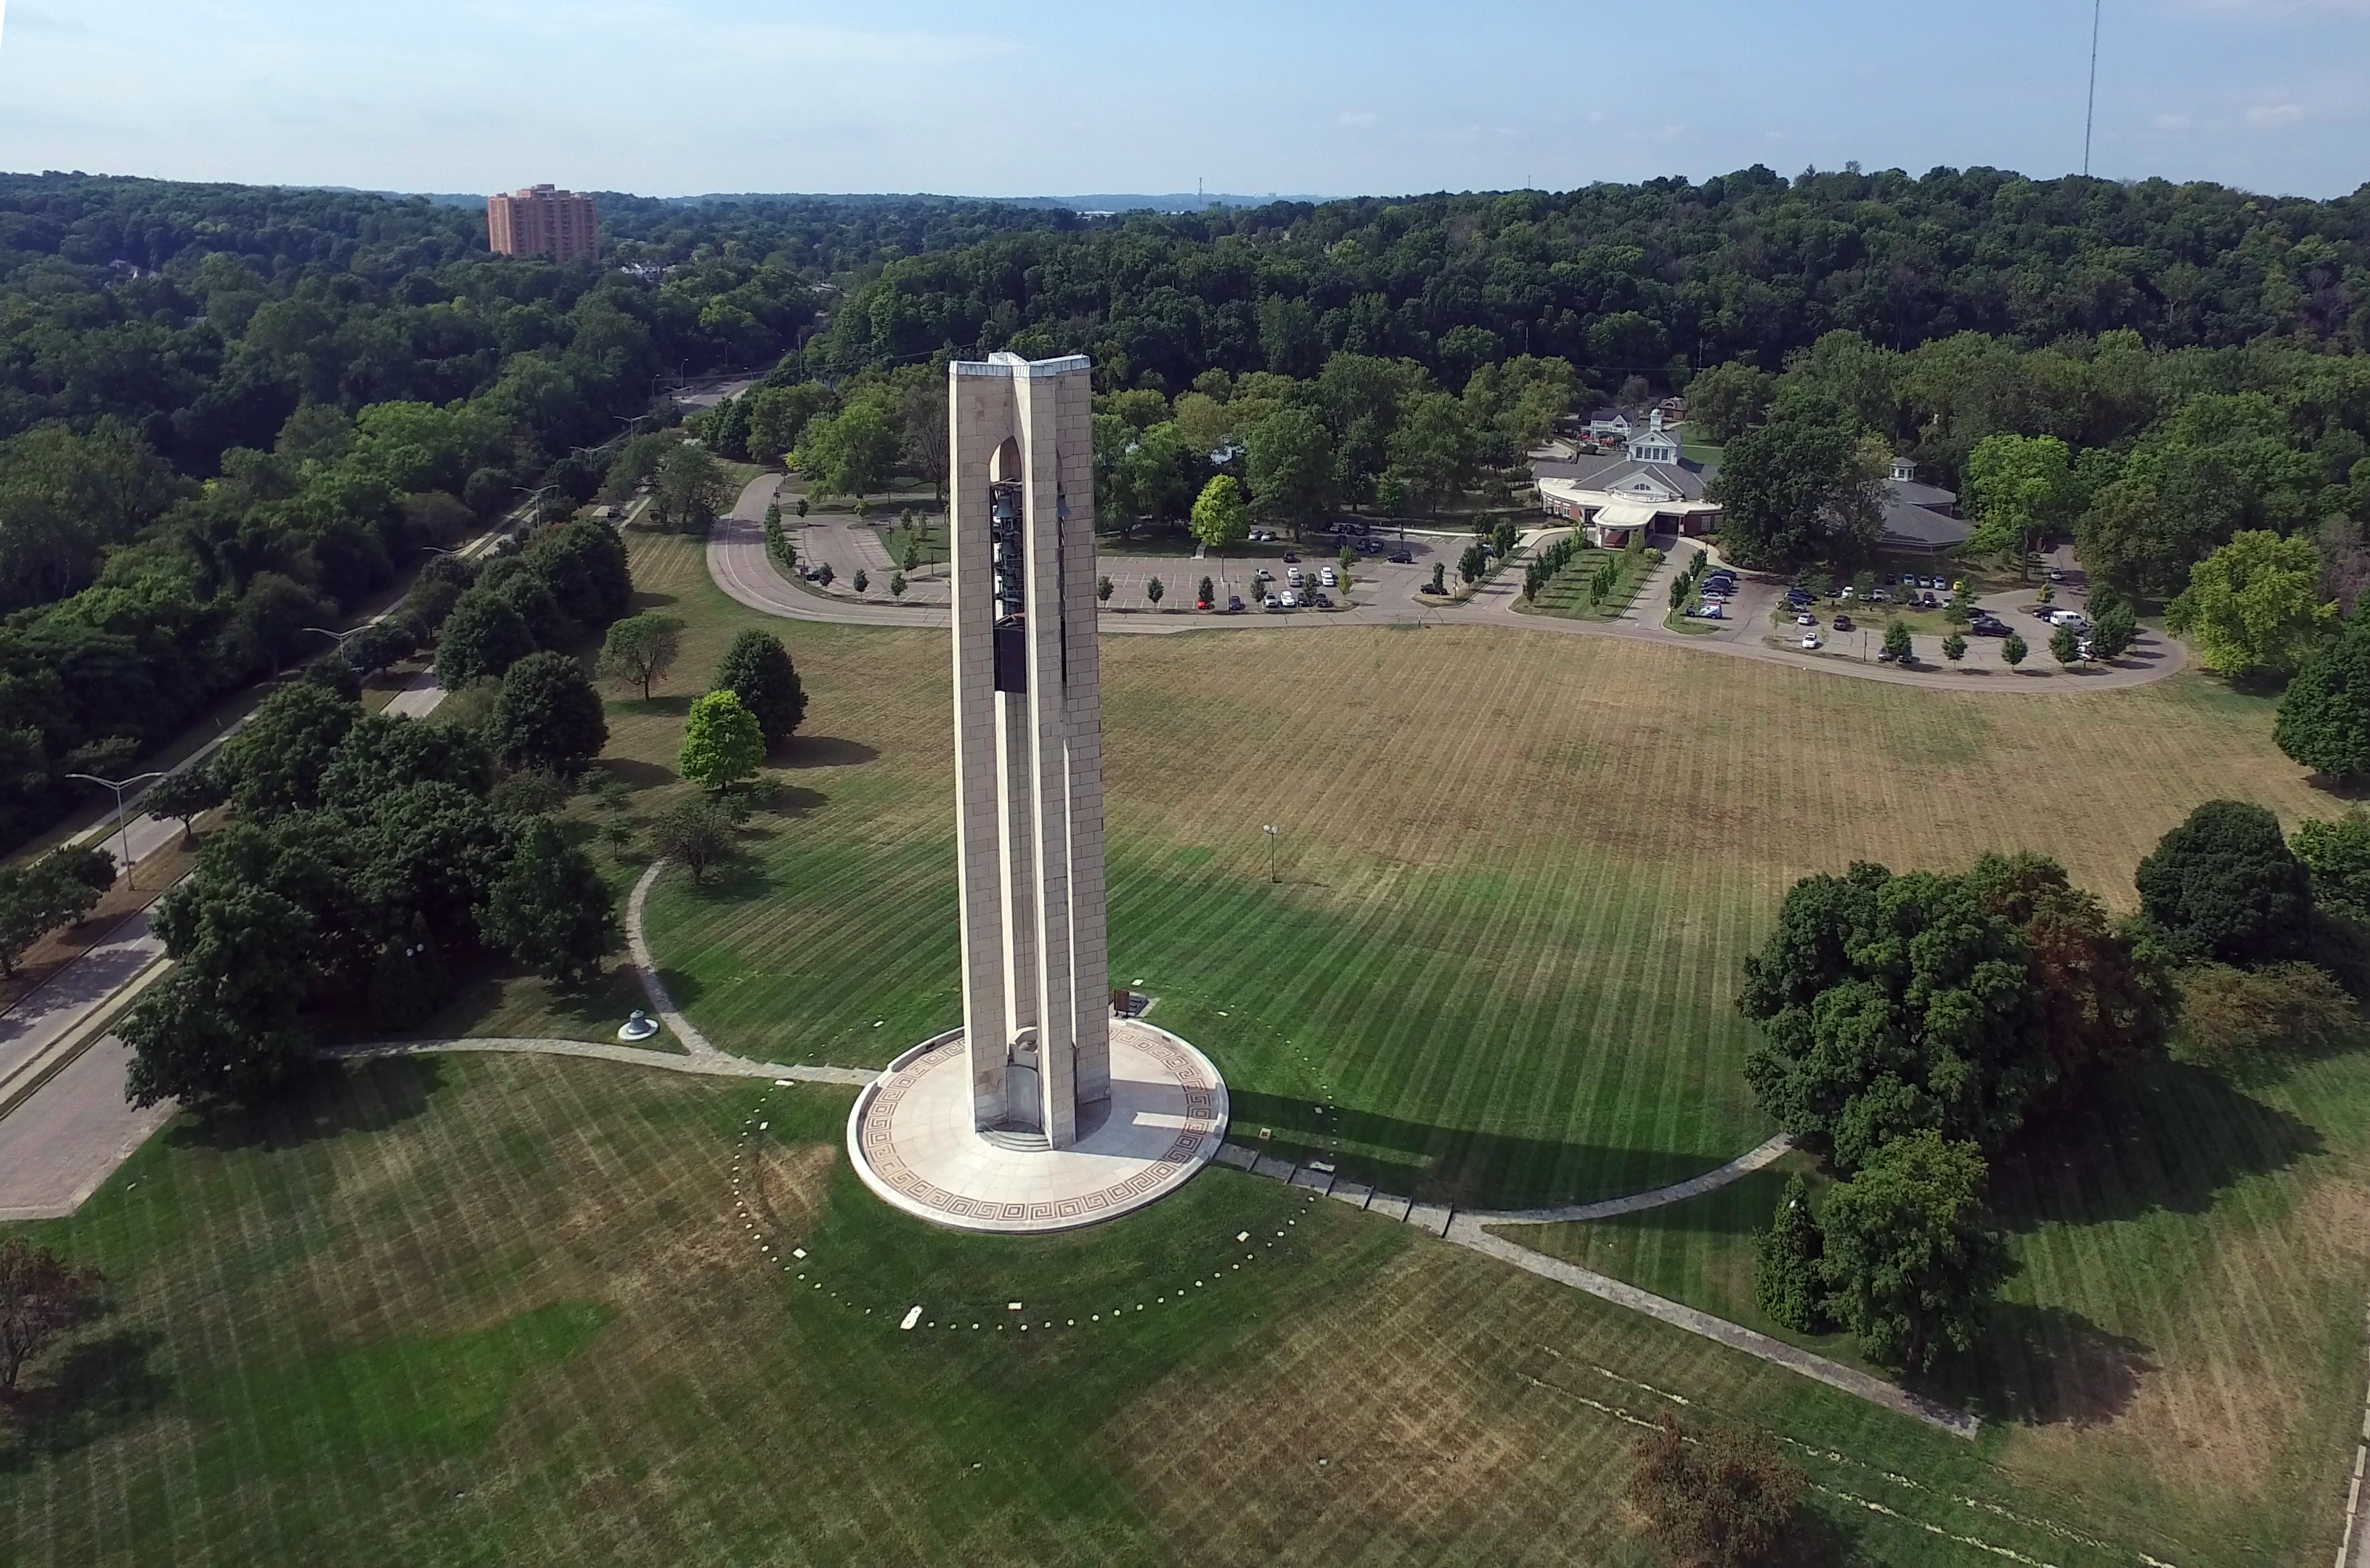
x=142, y=835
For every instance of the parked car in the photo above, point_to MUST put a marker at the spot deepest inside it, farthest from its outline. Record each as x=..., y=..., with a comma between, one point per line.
x=1291, y=600
x=1234, y=604
x=1322, y=601
x=1928, y=600
x=1810, y=639
x=1888, y=579
x=1884, y=656
x=1329, y=577
x=1293, y=577
x=1709, y=613
x=1843, y=623
x=1290, y=558
x=1989, y=628
x=1806, y=619
x=1880, y=596
x=1430, y=587
x=1370, y=546
x=2084, y=648
x=1844, y=597
x=2055, y=575
x=1272, y=602
x=1403, y=556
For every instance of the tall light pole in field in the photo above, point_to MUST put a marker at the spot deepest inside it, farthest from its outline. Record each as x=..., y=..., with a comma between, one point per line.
x=2091, y=115
x=1270, y=830
x=119, y=787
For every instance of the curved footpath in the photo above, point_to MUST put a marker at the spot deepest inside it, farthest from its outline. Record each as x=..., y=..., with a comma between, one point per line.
x=1470, y=1230
x=739, y=564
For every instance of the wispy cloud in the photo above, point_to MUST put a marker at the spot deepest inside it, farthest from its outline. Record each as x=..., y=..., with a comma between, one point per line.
x=1360, y=117
x=2172, y=122
x=2274, y=114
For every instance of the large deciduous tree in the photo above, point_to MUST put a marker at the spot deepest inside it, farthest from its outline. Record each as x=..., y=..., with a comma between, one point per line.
x=549, y=908
x=2324, y=716
x=548, y=716
x=1727, y=400
x=2225, y=886
x=484, y=635
x=851, y=453
x=2337, y=853
x=757, y=670
x=1291, y=466
x=640, y=648
x=2255, y=604
x=1911, y=1261
x=1893, y=1004
x=690, y=490
x=2022, y=487
x=277, y=758
x=1803, y=487
x=697, y=832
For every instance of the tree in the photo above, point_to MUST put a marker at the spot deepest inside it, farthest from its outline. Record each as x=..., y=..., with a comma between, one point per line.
x=1153, y=591
x=1864, y=583
x=896, y=585
x=387, y=752
x=549, y=908
x=222, y=1023
x=2225, y=886
x=922, y=432
x=2324, y=717
x=2338, y=855
x=1726, y=399
x=1954, y=647
x=1716, y=1498
x=1432, y=446
x=2021, y=489
x=850, y=453
x=2113, y=630
x=2014, y=649
x=2254, y=604
x=2066, y=646
x=825, y=573
x=641, y=648
x=722, y=744
x=860, y=581
x=1470, y=562
x=1802, y=487
x=1887, y=1005
x=277, y=758
x=778, y=415
x=1220, y=518
x=63, y=886
x=1291, y=466
x=1910, y=1263
x=691, y=490
x=1896, y=640
x=484, y=635
x=2105, y=987
x=758, y=670
x=1787, y=1282
x=1205, y=593
x=548, y=715
x=1103, y=590
x=185, y=794
x=1439, y=576
x=697, y=832
x=40, y=1298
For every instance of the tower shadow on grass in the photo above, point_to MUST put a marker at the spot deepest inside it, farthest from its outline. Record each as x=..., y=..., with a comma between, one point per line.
x=1469, y=1169
x=96, y=1386
x=323, y=1101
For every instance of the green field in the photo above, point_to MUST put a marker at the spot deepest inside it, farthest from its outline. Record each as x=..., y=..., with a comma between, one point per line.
x=1567, y=595
x=1519, y=873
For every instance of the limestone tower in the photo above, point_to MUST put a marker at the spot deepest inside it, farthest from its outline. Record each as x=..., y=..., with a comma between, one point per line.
x=1029, y=791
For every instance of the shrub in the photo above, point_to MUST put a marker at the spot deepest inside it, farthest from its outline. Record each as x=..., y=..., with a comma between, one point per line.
x=2246, y=1024
x=1716, y=1498
x=1787, y=1284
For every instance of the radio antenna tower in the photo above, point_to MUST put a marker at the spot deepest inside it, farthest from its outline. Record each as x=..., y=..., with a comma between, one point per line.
x=2090, y=116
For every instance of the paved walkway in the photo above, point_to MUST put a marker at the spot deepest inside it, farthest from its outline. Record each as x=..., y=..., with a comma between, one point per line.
x=715, y=1065
x=1474, y=1231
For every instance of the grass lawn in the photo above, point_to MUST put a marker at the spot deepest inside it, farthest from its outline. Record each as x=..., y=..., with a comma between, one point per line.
x=1567, y=594
x=478, y=1310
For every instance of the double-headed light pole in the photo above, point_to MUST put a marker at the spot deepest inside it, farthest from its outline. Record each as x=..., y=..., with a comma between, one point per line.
x=1270, y=829
x=123, y=834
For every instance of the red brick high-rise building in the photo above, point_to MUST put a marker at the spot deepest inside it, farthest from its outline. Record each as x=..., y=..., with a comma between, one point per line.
x=541, y=221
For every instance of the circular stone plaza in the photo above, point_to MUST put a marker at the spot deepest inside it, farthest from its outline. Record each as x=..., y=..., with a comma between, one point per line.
x=1044, y=1111
x=915, y=1144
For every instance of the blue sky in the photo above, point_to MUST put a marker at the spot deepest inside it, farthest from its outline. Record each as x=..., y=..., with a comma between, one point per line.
x=1056, y=96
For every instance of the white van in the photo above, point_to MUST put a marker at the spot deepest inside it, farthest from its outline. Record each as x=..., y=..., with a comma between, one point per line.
x=2074, y=618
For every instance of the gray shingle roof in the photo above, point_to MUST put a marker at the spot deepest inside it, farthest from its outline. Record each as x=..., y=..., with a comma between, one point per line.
x=1910, y=527
x=1608, y=473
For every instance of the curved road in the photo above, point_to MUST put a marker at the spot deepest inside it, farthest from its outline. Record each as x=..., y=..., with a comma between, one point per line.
x=738, y=563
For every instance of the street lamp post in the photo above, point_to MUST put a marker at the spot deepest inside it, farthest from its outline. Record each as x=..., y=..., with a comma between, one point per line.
x=121, y=832
x=1270, y=830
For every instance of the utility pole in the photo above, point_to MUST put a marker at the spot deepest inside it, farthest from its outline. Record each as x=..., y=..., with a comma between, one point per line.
x=1270, y=831
x=124, y=836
